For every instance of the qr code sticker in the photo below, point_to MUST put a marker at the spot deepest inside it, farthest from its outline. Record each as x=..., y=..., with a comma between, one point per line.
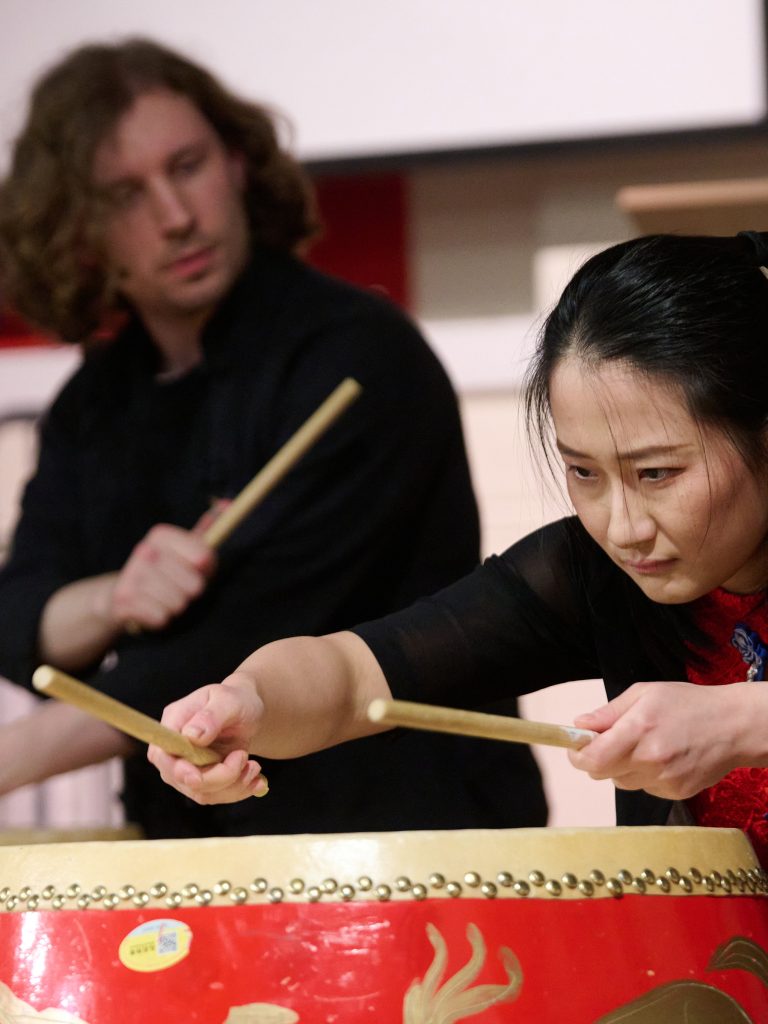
x=167, y=943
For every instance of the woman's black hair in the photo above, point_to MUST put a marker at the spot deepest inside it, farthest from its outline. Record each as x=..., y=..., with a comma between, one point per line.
x=691, y=312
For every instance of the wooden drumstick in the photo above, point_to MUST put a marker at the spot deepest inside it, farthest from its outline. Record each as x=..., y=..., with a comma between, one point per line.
x=476, y=723
x=278, y=466
x=53, y=683
x=282, y=461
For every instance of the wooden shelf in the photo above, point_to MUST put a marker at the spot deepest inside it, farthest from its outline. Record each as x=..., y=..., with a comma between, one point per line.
x=697, y=207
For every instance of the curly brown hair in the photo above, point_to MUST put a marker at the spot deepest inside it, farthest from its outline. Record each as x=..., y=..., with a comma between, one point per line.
x=49, y=225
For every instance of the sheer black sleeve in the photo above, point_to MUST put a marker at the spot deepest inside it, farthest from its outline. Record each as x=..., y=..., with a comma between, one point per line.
x=519, y=622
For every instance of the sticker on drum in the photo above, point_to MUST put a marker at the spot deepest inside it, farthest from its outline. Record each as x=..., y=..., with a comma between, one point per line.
x=155, y=945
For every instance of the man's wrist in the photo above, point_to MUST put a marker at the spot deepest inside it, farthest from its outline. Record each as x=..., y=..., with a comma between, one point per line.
x=102, y=607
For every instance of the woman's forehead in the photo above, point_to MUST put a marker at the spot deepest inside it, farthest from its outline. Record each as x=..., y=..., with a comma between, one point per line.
x=613, y=407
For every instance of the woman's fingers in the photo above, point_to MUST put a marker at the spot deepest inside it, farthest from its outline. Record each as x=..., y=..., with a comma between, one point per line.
x=217, y=714
x=235, y=778
x=671, y=739
x=226, y=718
x=611, y=752
x=607, y=715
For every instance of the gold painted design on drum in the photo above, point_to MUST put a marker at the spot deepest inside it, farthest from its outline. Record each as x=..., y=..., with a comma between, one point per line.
x=13, y=1009
x=261, y=1013
x=679, y=1002
x=432, y=1001
x=550, y=864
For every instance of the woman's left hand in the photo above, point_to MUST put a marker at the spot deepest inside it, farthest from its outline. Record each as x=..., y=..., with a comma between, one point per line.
x=674, y=739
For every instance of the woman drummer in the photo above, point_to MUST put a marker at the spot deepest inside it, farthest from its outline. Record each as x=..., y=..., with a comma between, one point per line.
x=651, y=381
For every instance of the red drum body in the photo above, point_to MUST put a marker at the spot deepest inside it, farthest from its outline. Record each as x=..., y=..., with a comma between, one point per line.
x=668, y=926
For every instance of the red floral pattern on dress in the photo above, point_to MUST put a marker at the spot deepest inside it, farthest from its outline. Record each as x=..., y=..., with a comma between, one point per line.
x=740, y=799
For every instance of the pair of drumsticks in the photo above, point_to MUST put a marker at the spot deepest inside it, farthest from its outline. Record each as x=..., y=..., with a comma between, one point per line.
x=53, y=683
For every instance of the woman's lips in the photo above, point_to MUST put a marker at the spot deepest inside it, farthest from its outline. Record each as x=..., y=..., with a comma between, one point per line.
x=650, y=566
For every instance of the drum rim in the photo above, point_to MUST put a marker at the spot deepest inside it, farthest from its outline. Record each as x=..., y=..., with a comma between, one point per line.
x=564, y=863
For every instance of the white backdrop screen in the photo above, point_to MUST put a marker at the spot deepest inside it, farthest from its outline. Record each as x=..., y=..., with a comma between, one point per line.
x=363, y=79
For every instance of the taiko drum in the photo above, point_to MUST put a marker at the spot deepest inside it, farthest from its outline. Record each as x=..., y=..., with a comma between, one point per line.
x=662, y=925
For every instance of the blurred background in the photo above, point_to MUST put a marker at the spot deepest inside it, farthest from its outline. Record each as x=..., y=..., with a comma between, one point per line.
x=468, y=156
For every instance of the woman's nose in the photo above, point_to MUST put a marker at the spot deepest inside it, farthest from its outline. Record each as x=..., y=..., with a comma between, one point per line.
x=630, y=524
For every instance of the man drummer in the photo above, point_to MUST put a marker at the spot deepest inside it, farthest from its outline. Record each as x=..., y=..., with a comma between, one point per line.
x=148, y=204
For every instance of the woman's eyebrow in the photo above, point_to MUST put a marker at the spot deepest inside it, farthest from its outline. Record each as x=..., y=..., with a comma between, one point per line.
x=649, y=452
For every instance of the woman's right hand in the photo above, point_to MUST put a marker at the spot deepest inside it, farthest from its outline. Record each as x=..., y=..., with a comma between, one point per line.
x=226, y=717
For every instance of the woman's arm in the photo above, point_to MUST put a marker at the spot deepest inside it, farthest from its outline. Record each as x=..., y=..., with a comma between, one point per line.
x=289, y=698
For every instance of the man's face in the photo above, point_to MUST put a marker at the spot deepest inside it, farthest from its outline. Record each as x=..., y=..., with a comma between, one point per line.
x=175, y=230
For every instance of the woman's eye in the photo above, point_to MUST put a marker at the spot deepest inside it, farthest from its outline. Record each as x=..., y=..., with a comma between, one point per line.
x=581, y=473
x=656, y=475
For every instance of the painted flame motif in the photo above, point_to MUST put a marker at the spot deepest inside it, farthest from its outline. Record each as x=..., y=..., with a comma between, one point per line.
x=429, y=1002
x=679, y=1002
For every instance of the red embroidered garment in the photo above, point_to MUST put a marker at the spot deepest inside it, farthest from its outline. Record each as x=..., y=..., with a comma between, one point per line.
x=740, y=800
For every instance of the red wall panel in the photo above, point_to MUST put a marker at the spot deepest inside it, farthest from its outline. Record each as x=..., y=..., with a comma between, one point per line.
x=364, y=240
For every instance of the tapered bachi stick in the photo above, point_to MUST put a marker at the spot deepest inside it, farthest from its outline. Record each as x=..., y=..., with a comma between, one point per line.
x=476, y=723
x=282, y=461
x=53, y=683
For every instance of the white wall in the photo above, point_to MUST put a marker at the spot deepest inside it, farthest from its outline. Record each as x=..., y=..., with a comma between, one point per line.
x=408, y=75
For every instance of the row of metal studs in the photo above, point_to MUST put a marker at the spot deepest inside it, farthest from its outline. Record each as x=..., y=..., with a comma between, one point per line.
x=754, y=880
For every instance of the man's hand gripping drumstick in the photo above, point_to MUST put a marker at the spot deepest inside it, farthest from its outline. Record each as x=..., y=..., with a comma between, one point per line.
x=170, y=567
